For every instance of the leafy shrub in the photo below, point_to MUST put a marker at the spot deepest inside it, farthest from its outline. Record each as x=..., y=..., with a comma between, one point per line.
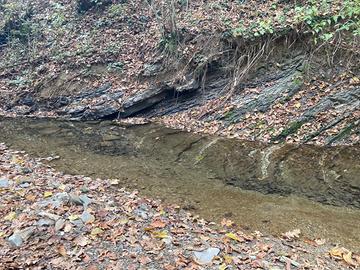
x=85, y=5
x=15, y=22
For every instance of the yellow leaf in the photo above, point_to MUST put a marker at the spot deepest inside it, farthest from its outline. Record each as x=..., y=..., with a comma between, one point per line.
x=348, y=259
x=73, y=217
x=223, y=266
x=30, y=197
x=62, y=187
x=336, y=252
x=123, y=221
x=297, y=105
x=96, y=231
x=354, y=80
x=233, y=237
x=10, y=217
x=228, y=259
x=47, y=194
x=162, y=234
x=2, y=234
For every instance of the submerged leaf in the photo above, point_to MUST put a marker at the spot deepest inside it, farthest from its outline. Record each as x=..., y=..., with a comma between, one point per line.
x=348, y=259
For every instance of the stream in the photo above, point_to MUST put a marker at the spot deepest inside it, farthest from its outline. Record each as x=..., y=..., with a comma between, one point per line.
x=270, y=188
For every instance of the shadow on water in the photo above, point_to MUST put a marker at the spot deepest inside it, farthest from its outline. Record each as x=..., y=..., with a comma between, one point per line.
x=271, y=188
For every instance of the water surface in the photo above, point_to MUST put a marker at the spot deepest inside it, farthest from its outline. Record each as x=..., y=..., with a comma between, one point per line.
x=273, y=189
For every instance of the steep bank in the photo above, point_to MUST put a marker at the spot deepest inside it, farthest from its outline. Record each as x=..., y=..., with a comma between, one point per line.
x=274, y=71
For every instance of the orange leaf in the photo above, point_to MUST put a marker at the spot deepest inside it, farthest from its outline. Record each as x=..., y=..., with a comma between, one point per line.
x=158, y=224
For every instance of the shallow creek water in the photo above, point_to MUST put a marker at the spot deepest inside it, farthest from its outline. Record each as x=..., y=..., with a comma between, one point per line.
x=271, y=188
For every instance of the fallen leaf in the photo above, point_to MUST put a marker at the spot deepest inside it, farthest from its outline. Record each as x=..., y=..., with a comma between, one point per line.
x=73, y=217
x=162, y=234
x=228, y=259
x=144, y=260
x=81, y=241
x=222, y=267
x=30, y=197
x=227, y=223
x=68, y=227
x=47, y=194
x=233, y=237
x=159, y=224
x=96, y=231
x=292, y=234
x=320, y=242
x=348, y=259
x=62, y=250
x=337, y=252
x=10, y=217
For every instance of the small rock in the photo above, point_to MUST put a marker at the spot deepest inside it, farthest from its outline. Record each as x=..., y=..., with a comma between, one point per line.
x=292, y=262
x=59, y=224
x=86, y=217
x=75, y=199
x=25, y=180
x=206, y=256
x=26, y=170
x=24, y=185
x=85, y=200
x=45, y=222
x=15, y=240
x=4, y=183
x=18, y=238
x=49, y=216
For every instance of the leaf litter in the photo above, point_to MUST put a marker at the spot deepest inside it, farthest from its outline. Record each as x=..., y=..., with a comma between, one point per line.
x=111, y=228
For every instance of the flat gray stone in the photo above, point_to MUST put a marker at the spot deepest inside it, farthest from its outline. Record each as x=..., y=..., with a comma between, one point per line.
x=59, y=224
x=206, y=256
x=18, y=238
x=4, y=183
x=86, y=217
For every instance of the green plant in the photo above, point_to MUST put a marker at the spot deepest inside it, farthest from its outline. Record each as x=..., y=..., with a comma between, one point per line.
x=16, y=22
x=116, y=10
x=115, y=67
x=168, y=43
x=324, y=25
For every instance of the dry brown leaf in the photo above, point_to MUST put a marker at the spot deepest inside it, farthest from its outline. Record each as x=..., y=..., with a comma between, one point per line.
x=292, y=234
x=62, y=250
x=348, y=259
x=158, y=224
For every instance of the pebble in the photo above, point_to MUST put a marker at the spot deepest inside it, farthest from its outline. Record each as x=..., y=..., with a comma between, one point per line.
x=18, y=238
x=85, y=200
x=59, y=224
x=49, y=215
x=45, y=222
x=86, y=217
x=4, y=183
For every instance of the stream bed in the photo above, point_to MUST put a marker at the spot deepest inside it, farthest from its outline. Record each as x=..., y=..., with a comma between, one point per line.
x=270, y=188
